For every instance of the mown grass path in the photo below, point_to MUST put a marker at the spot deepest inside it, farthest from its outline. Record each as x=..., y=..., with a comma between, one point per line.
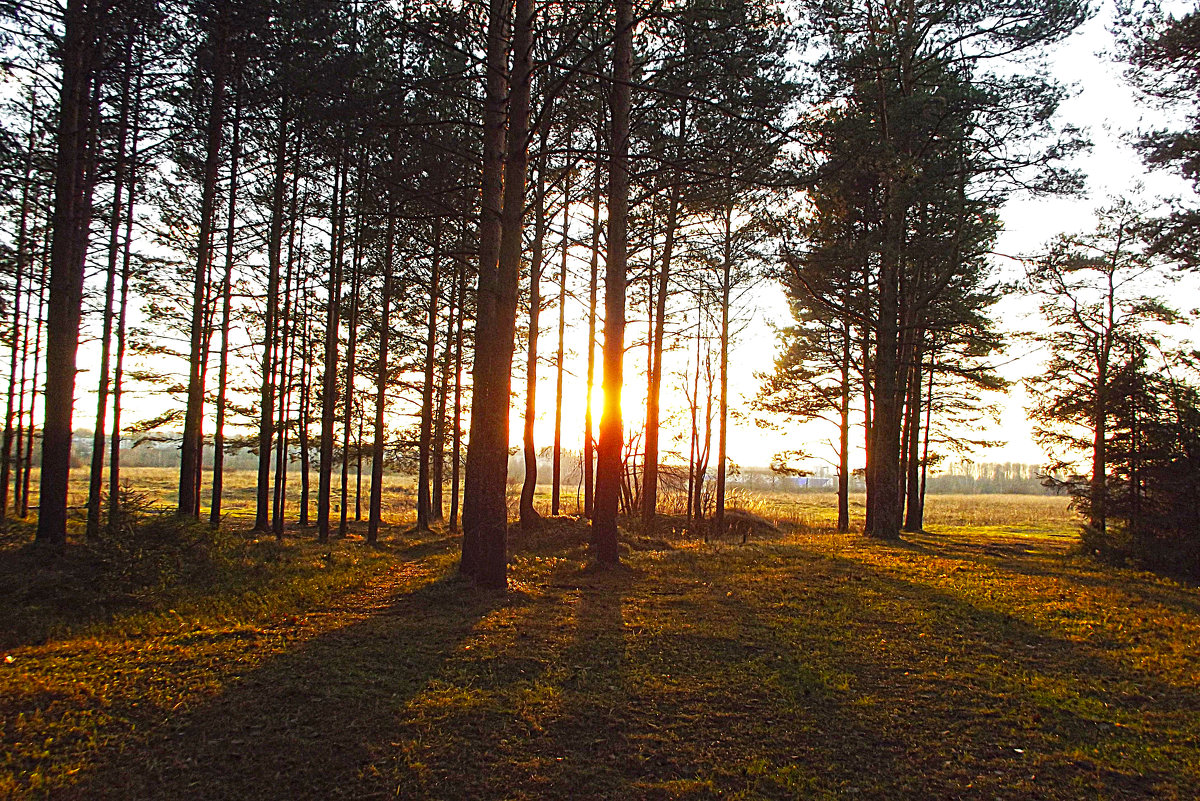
x=952, y=666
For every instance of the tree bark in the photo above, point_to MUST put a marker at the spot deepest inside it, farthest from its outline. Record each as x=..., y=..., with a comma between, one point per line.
x=608, y=451
x=589, y=441
x=18, y=336
x=191, y=450
x=424, y=499
x=530, y=519
x=72, y=217
x=485, y=513
x=381, y=381
x=556, y=459
x=266, y=398
x=329, y=384
x=218, y=485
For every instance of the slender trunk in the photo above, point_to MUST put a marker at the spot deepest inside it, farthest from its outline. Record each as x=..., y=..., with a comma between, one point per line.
x=589, y=441
x=435, y=278
x=694, y=408
x=351, y=357
x=266, y=397
x=72, y=217
x=843, y=519
x=218, y=480
x=96, y=476
x=23, y=501
x=288, y=360
x=303, y=414
x=912, y=510
x=556, y=459
x=723, y=406
x=654, y=382
x=381, y=382
x=438, y=467
x=456, y=448
x=329, y=383
x=608, y=450
x=925, y=446
x=530, y=519
x=191, y=450
x=18, y=338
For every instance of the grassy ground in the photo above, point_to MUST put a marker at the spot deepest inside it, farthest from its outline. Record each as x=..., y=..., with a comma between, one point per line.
x=979, y=660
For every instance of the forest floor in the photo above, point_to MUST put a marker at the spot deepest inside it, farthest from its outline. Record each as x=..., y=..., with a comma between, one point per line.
x=978, y=660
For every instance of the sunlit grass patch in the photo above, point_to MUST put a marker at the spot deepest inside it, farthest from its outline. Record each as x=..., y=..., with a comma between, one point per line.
x=978, y=660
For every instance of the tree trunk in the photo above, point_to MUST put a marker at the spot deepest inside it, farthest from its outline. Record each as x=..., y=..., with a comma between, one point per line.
x=329, y=383
x=485, y=513
x=843, y=519
x=191, y=450
x=456, y=446
x=589, y=441
x=438, y=468
x=480, y=504
x=18, y=336
x=435, y=277
x=381, y=382
x=72, y=216
x=218, y=485
x=723, y=405
x=351, y=355
x=530, y=519
x=608, y=450
x=96, y=476
x=556, y=459
x=266, y=400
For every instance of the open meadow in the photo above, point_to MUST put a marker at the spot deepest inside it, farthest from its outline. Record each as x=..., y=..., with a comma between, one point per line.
x=980, y=659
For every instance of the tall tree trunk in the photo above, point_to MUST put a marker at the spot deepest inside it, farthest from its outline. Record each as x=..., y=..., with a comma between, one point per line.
x=480, y=503
x=912, y=509
x=72, y=217
x=723, y=406
x=589, y=441
x=329, y=383
x=266, y=397
x=218, y=485
x=351, y=356
x=18, y=336
x=43, y=286
x=286, y=366
x=883, y=476
x=530, y=519
x=435, y=287
x=304, y=413
x=654, y=382
x=843, y=518
x=96, y=475
x=694, y=409
x=381, y=381
x=438, y=467
x=485, y=512
x=456, y=447
x=608, y=450
x=191, y=450
x=556, y=459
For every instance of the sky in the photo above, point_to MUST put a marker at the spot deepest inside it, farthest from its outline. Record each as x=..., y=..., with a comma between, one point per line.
x=1110, y=111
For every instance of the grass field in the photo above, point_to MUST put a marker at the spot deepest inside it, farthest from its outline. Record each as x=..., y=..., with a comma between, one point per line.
x=978, y=660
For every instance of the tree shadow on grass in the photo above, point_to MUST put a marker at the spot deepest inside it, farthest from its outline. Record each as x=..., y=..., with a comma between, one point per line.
x=975, y=701
x=307, y=723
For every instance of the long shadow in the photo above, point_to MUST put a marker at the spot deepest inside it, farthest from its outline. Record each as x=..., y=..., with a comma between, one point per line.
x=306, y=724
x=998, y=676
